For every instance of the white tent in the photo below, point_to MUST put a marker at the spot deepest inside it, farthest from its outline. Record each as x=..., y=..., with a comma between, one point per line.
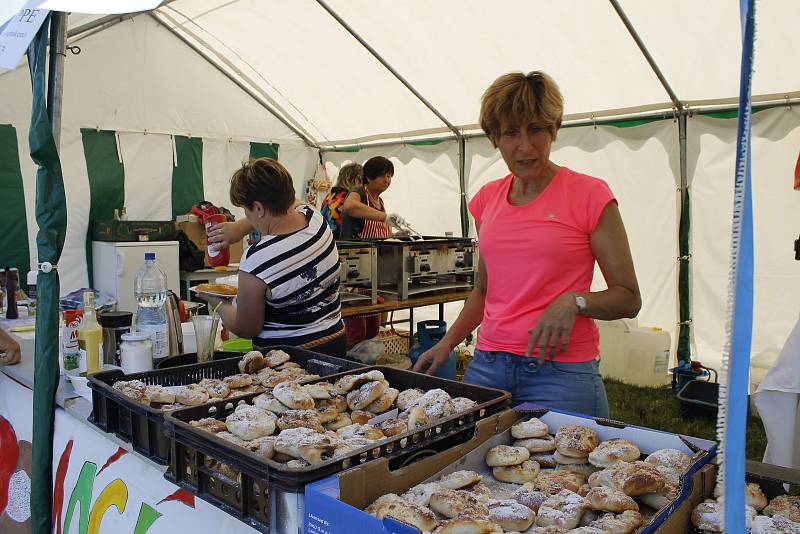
x=325, y=80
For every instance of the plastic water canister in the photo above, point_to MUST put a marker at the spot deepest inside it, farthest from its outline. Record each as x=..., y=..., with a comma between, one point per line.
x=648, y=357
x=430, y=333
x=150, y=291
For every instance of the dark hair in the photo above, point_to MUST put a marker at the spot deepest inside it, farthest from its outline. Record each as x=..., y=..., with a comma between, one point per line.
x=377, y=166
x=266, y=181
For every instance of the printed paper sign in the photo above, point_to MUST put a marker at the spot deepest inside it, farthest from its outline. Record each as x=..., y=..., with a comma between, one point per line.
x=9, y=8
x=17, y=33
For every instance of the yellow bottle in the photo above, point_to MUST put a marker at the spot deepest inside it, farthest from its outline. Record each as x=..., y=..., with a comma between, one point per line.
x=90, y=335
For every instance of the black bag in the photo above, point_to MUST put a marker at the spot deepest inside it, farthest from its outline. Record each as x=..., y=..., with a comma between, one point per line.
x=190, y=258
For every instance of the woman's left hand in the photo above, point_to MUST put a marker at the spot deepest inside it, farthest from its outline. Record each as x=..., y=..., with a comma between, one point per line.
x=554, y=324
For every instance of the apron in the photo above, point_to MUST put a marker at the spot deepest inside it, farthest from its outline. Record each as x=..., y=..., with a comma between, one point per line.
x=375, y=229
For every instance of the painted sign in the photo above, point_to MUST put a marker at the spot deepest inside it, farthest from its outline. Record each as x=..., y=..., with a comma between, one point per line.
x=98, y=485
x=19, y=31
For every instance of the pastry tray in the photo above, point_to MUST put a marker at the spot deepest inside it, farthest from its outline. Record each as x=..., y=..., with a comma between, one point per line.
x=143, y=426
x=247, y=498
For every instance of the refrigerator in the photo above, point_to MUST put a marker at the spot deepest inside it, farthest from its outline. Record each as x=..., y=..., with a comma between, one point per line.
x=115, y=265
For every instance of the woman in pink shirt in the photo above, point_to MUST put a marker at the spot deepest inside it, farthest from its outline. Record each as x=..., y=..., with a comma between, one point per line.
x=540, y=231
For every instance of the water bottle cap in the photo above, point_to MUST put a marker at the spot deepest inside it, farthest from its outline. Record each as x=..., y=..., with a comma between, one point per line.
x=32, y=278
x=149, y=256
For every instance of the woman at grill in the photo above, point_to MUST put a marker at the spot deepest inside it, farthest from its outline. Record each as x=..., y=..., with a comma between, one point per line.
x=540, y=230
x=289, y=281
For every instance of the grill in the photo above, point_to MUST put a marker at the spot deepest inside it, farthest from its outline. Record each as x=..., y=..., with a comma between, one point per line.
x=409, y=266
x=358, y=280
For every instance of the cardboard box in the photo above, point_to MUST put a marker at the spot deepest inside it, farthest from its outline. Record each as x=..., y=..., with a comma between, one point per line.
x=771, y=478
x=335, y=504
x=197, y=233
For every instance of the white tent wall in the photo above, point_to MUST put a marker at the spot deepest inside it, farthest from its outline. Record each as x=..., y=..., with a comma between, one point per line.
x=775, y=141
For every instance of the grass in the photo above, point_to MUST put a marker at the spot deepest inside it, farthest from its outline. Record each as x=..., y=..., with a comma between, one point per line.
x=658, y=408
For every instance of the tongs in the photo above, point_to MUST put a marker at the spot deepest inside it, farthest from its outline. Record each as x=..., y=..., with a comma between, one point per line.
x=412, y=234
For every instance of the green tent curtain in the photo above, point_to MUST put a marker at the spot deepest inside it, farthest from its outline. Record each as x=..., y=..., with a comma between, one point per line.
x=51, y=217
x=264, y=150
x=14, y=249
x=187, y=175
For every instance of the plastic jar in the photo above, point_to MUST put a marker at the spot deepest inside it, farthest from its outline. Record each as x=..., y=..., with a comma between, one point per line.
x=136, y=352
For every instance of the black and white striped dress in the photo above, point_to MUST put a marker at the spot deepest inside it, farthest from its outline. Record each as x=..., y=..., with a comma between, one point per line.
x=301, y=270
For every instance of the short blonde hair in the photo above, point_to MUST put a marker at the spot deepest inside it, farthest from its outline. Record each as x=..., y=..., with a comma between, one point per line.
x=515, y=99
x=350, y=176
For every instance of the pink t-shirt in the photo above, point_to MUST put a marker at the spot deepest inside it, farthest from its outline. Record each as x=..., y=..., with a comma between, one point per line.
x=533, y=254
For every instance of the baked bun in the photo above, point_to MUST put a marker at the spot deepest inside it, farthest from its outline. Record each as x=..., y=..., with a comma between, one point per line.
x=562, y=459
x=576, y=440
x=532, y=428
x=262, y=447
x=218, y=289
x=754, y=496
x=659, y=499
x=319, y=390
x=528, y=496
x=293, y=396
x=460, y=479
x=338, y=402
x=672, y=458
x=511, y=515
x=463, y=404
x=776, y=524
x=437, y=404
x=209, y=424
x=481, y=492
x=191, y=395
x=159, y=394
x=300, y=418
x=553, y=482
x=708, y=516
x=585, y=470
x=408, y=398
x=349, y=382
x=268, y=403
x=453, y=503
x=417, y=417
x=421, y=493
x=304, y=443
x=612, y=451
x=393, y=426
x=563, y=510
x=359, y=399
x=134, y=389
x=360, y=431
x=384, y=402
x=405, y=511
x=545, y=460
x=527, y=471
x=362, y=417
x=537, y=445
x=786, y=505
x=252, y=362
x=624, y=523
x=581, y=530
x=505, y=455
x=276, y=357
x=216, y=388
x=248, y=422
x=240, y=380
x=469, y=525
x=610, y=500
x=636, y=478
x=341, y=421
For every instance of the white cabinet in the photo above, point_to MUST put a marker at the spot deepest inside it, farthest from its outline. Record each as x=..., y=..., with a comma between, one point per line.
x=115, y=265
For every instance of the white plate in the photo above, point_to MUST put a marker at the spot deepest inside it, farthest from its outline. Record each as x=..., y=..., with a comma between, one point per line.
x=220, y=295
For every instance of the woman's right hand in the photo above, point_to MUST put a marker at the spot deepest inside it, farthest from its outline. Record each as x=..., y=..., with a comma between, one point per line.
x=224, y=234
x=433, y=358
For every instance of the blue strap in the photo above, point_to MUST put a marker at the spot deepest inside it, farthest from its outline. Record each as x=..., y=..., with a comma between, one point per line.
x=742, y=327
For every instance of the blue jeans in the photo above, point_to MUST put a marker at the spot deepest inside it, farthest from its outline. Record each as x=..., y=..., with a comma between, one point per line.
x=573, y=387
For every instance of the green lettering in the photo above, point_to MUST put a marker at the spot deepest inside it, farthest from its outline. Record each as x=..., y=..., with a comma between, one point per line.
x=147, y=516
x=81, y=493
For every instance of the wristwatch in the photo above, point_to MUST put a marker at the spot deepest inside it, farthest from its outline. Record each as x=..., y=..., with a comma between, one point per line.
x=580, y=302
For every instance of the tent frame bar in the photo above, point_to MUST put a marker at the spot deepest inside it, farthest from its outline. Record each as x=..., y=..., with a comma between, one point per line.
x=250, y=92
x=55, y=85
x=646, y=53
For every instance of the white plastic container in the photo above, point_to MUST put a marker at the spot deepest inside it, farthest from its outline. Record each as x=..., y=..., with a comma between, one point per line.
x=614, y=340
x=632, y=354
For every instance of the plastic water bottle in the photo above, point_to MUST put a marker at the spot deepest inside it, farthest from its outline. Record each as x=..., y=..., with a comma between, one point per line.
x=150, y=291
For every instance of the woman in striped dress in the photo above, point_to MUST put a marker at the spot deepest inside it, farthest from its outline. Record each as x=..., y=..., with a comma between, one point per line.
x=288, y=281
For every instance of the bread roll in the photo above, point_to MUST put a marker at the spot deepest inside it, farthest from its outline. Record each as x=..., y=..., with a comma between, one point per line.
x=300, y=418
x=341, y=421
x=527, y=471
x=238, y=381
x=262, y=447
x=268, y=403
x=393, y=427
x=216, y=388
x=384, y=402
x=359, y=399
x=624, y=523
x=408, y=398
x=469, y=525
x=276, y=357
x=776, y=524
x=304, y=443
x=528, y=496
x=503, y=455
x=612, y=451
x=421, y=493
x=659, y=499
x=576, y=440
x=437, y=404
x=532, y=428
x=209, y=424
x=361, y=431
x=511, y=515
x=293, y=396
x=417, y=417
x=248, y=422
x=191, y=395
x=562, y=510
x=463, y=404
x=537, y=445
x=460, y=479
x=159, y=394
x=610, y=500
x=544, y=459
x=319, y=390
x=452, y=503
x=786, y=505
x=349, y=382
x=636, y=478
x=552, y=482
x=672, y=458
x=405, y=511
x=252, y=362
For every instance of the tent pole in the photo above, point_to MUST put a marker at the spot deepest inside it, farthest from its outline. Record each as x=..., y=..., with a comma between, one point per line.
x=55, y=83
x=661, y=78
x=458, y=134
x=252, y=94
x=683, y=351
x=108, y=21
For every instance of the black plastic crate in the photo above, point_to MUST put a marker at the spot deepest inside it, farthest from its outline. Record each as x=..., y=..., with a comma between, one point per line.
x=698, y=397
x=143, y=426
x=248, y=497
